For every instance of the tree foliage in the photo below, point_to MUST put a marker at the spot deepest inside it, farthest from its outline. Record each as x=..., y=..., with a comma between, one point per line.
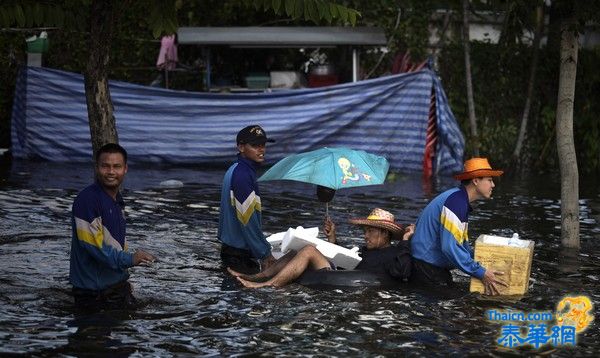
x=30, y=13
x=161, y=15
x=499, y=70
x=317, y=11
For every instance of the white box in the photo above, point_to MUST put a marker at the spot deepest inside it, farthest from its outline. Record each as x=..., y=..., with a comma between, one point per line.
x=285, y=79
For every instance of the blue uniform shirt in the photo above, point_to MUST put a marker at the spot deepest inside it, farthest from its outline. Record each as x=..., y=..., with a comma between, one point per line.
x=98, y=246
x=240, y=213
x=441, y=235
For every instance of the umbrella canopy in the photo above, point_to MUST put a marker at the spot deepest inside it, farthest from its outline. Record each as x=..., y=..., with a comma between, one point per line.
x=335, y=168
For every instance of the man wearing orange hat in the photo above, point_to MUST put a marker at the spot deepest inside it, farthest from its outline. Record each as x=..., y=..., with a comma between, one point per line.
x=440, y=242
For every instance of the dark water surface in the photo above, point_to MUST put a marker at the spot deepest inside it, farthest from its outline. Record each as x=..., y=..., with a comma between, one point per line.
x=190, y=307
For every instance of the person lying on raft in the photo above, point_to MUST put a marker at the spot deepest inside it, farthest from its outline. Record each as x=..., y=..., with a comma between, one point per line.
x=378, y=255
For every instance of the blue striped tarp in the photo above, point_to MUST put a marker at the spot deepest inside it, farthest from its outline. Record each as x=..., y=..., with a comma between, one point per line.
x=386, y=116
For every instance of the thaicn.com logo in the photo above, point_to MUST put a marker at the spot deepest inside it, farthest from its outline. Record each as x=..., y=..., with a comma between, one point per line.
x=573, y=315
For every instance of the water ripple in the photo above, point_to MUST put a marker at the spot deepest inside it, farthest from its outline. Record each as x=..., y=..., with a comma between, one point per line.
x=189, y=306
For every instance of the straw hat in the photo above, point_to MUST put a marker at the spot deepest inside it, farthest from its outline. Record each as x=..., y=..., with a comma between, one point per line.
x=477, y=168
x=381, y=219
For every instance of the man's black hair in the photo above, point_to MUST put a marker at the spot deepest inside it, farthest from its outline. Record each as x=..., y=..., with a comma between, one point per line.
x=111, y=148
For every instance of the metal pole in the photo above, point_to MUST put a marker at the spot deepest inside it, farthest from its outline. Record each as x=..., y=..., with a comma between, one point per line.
x=208, y=69
x=355, y=61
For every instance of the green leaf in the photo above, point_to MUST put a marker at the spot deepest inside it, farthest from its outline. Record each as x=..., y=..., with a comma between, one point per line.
x=306, y=12
x=343, y=12
x=4, y=20
x=28, y=13
x=156, y=31
x=19, y=15
x=314, y=12
x=333, y=10
x=60, y=17
x=323, y=9
x=49, y=15
x=257, y=4
x=327, y=14
x=352, y=15
x=171, y=26
x=276, y=6
x=10, y=13
x=38, y=15
x=299, y=8
x=289, y=7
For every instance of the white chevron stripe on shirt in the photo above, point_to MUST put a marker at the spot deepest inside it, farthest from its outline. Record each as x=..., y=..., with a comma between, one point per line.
x=95, y=233
x=247, y=204
x=453, y=224
x=246, y=209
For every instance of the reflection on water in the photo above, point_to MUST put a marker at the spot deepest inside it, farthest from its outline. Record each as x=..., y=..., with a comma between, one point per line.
x=189, y=306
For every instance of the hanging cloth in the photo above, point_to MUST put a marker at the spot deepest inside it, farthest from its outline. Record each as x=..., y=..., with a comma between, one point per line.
x=167, y=57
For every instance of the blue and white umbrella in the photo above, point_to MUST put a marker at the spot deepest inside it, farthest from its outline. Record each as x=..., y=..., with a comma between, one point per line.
x=334, y=168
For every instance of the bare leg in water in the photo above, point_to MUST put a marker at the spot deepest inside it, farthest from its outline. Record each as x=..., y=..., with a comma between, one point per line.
x=308, y=257
x=269, y=271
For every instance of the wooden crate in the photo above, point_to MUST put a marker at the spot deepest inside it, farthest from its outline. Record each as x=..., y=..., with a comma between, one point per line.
x=515, y=262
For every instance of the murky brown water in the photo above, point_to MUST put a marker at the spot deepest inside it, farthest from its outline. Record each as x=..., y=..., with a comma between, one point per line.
x=189, y=306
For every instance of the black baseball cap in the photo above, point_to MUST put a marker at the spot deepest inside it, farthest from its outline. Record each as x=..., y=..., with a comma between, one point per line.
x=253, y=134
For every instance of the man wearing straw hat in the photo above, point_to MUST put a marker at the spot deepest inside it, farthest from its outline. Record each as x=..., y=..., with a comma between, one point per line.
x=378, y=255
x=440, y=242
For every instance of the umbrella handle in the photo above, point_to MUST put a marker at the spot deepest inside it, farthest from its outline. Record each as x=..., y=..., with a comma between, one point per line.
x=327, y=209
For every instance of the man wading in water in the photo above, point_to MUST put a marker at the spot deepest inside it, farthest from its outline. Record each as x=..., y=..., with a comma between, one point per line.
x=99, y=257
x=243, y=243
x=441, y=239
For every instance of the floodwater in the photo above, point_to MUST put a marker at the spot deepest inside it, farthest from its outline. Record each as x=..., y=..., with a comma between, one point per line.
x=189, y=306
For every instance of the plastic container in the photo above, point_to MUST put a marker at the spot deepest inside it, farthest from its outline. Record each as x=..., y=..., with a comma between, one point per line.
x=39, y=45
x=509, y=255
x=258, y=81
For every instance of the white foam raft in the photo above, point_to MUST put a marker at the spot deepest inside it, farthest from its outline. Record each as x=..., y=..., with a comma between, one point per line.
x=296, y=239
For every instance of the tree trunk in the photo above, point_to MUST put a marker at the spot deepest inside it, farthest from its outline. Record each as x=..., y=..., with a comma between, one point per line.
x=99, y=104
x=553, y=33
x=471, y=103
x=534, y=61
x=567, y=159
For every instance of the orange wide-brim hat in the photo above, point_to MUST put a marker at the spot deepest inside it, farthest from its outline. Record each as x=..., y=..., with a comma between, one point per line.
x=477, y=168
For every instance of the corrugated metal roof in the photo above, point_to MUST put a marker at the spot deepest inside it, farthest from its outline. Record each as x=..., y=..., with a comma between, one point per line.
x=282, y=36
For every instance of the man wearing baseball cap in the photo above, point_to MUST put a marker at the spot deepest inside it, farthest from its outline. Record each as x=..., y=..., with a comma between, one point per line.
x=244, y=246
x=440, y=242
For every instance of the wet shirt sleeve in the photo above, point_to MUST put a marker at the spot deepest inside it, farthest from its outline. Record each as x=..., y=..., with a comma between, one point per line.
x=400, y=267
x=454, y=236
x=245, y=198
x=93, y=236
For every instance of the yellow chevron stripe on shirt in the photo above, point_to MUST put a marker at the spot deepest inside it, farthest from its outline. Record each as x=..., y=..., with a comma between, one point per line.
x=91, y=233
x=95, y=233
x=245, y=210
x=452, y=223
